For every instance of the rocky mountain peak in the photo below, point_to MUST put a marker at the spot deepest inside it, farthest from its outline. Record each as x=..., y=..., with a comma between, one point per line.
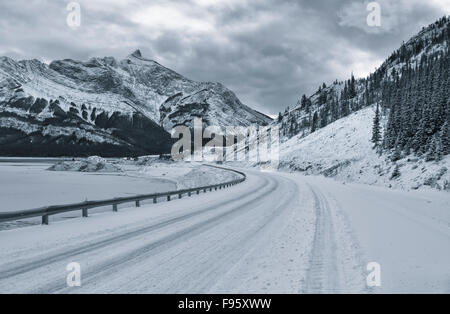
x=137, y=54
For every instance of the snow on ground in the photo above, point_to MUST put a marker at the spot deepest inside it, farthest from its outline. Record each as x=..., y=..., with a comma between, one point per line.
x=202, y=176
x=343, y=150
x=228, y=239
x=184, y=174
x=406, y=232
x=274, y=233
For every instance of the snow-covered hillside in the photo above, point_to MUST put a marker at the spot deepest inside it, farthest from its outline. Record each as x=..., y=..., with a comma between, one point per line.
x=343, y=150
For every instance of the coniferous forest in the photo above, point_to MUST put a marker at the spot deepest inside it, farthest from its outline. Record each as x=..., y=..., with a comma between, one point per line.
x=417, y=104
x=410, y=91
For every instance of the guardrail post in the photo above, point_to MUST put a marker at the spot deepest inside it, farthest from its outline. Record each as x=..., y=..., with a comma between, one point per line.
x=189, y=194
x=45, y=220
x=114, y=207
x=168, y=198
x=180, y=196
x=84, y=212
x=138, y=203
x=204, y=190
x=215, y=188
x=198, y=192
x=155, y=200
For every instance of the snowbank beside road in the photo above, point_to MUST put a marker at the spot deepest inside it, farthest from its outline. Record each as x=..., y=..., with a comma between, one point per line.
x=184, y=174
x=343, y=150
x=205, y=175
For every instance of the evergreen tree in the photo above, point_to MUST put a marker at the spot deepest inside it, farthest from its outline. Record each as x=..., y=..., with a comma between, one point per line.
x=376, y=131
x=397, y=155
x=314, y=122
x=353, y=86
x=304, y=102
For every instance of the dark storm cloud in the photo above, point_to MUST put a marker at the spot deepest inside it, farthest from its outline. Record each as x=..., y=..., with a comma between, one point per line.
x=268, y=51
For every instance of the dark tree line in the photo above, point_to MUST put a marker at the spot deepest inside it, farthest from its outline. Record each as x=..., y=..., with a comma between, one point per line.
x=418, y=107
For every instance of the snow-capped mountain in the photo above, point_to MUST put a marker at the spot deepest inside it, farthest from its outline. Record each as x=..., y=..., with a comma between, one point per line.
x=105, y=106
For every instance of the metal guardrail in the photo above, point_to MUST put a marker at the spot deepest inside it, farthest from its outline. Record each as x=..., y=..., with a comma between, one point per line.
x=47, y=211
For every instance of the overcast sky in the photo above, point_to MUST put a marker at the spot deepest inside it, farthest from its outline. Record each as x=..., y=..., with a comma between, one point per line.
x=269, y=52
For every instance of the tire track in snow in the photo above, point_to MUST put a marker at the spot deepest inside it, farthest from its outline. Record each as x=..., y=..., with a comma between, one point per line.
x=322, y=275
x=248, y=244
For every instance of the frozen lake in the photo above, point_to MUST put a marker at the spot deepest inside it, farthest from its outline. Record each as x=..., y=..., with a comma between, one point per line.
x=26, y=184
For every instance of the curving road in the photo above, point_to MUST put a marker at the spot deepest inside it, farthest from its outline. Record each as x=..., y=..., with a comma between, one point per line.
x=274, y=233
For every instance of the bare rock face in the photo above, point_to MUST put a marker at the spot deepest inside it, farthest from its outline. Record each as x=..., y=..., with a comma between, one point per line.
x=105, y=107
x=214, y=103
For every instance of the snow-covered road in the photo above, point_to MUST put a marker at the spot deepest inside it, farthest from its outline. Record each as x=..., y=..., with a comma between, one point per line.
x=274, y=233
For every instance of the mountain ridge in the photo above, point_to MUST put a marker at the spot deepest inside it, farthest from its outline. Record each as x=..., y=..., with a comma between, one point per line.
x=125, y=104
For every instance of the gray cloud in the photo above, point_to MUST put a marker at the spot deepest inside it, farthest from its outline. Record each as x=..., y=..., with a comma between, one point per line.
x=268, y=51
